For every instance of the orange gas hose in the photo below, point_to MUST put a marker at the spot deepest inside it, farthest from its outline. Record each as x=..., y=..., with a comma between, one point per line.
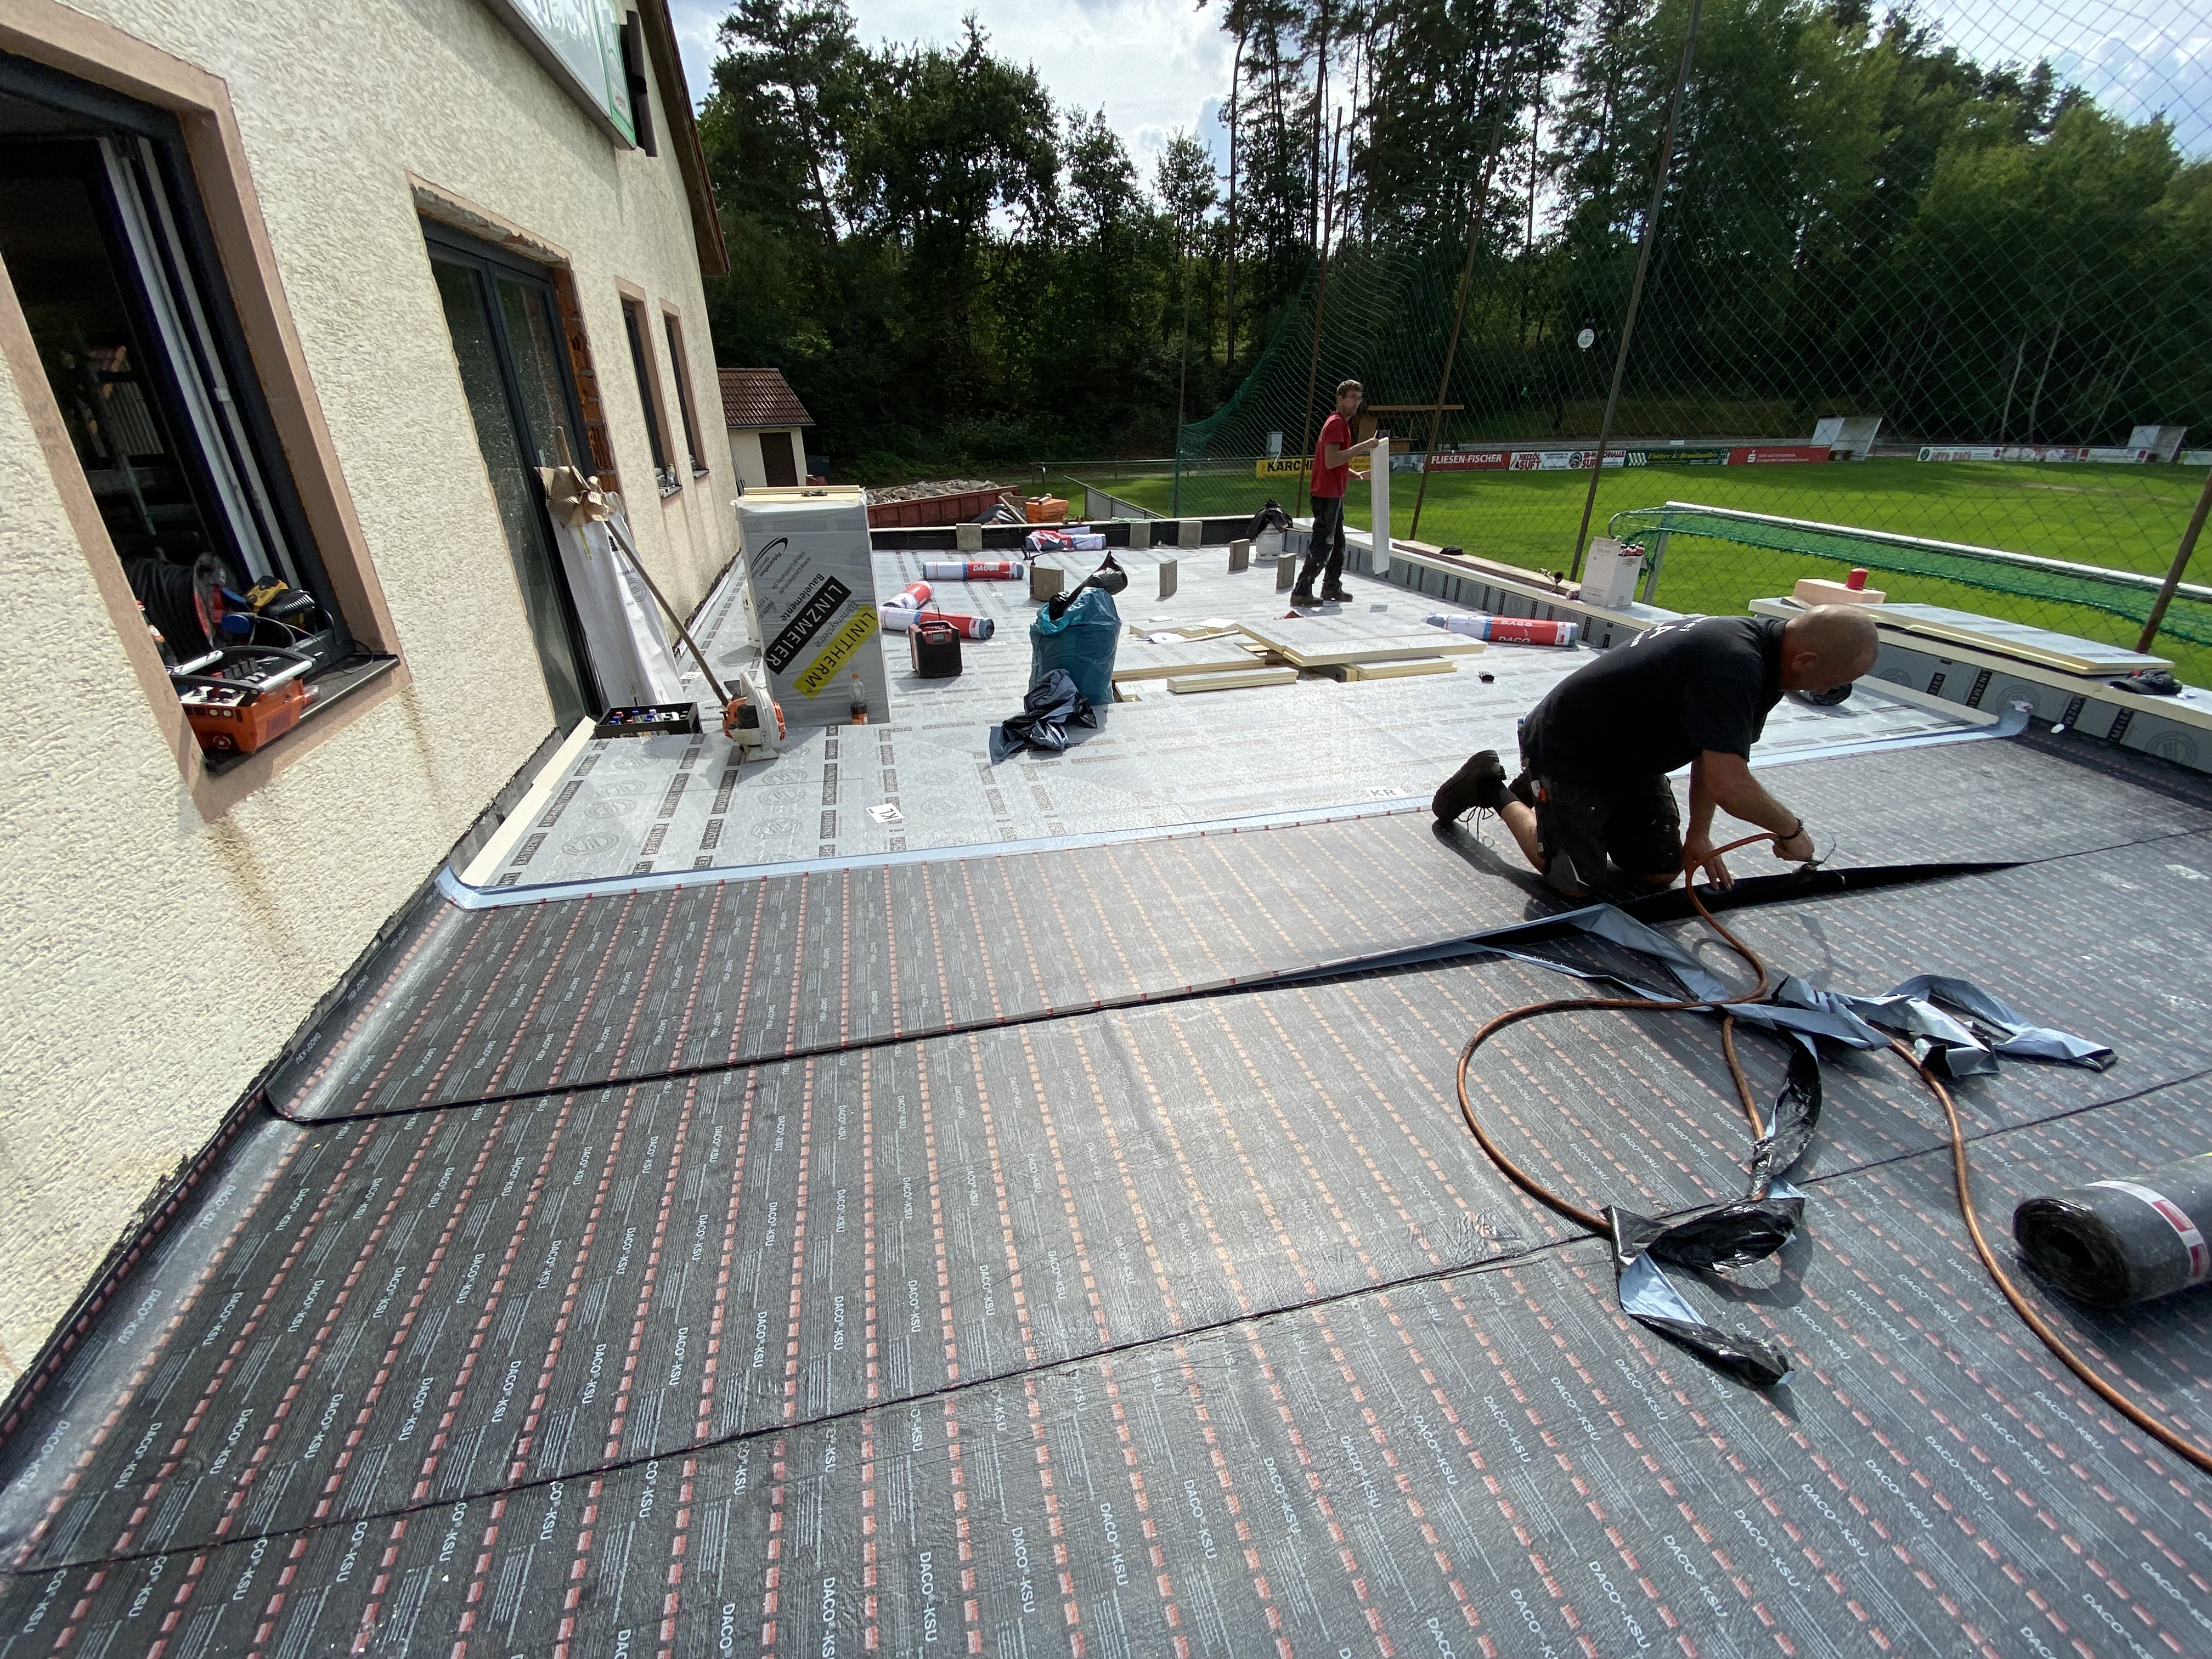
x=1557, y=1202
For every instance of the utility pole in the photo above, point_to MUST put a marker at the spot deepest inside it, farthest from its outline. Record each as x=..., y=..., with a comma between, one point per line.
x=1321, y=309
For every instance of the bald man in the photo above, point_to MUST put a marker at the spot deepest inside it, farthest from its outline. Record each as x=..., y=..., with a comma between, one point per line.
x=1595, y=752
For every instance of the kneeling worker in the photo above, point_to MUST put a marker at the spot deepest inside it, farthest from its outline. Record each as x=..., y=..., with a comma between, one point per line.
x=1595, y=752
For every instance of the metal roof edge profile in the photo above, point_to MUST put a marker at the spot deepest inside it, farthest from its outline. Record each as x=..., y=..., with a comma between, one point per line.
x=684, y=133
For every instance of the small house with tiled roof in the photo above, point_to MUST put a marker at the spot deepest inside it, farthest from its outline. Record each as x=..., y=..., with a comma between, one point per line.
x=767, y=425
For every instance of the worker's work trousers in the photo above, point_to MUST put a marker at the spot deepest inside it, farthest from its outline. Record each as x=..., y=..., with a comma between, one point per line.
x=1325, y=552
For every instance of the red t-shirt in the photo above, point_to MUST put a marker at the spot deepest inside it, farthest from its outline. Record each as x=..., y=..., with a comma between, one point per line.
x=1331, y=480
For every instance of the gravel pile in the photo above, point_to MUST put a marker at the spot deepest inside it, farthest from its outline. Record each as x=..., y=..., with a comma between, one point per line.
x=929, y=487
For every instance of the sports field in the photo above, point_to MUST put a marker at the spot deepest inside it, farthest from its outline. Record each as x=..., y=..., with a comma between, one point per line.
x=2123, y=518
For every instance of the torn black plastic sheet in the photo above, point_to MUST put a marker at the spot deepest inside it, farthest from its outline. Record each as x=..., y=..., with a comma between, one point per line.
x=1725, y=1236
x=1754, y=1227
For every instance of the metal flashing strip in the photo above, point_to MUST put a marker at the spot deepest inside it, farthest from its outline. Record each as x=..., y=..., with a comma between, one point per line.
x=466, y=897
x=492, y=898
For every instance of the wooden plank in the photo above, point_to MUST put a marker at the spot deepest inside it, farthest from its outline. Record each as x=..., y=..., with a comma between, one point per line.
x=1185, y=684
x=1392, y=671
x=2065, y=651
x=1329, y=641
x=1140, y=659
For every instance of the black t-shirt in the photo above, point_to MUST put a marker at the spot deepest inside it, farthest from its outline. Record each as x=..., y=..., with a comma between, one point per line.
x=1652, y=705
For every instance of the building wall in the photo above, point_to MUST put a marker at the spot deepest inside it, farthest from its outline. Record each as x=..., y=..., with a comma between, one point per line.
x=159, y=957
x=746, y=455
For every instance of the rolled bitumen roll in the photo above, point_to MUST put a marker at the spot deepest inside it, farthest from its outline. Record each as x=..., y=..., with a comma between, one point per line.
x=2125, y=1240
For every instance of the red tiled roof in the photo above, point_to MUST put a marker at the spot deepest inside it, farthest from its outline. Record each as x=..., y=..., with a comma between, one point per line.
x=755, y=398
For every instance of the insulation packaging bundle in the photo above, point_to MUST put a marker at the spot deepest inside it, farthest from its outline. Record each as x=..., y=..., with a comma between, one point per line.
x=974, y=570
x=2116, y=1242
x=898, y=619
x=1510, y=630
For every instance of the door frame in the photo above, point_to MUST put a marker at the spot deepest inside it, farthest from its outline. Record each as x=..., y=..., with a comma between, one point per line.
x=487, y=263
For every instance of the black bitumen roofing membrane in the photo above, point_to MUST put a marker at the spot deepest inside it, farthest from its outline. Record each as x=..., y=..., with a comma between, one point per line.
x=992, y=1255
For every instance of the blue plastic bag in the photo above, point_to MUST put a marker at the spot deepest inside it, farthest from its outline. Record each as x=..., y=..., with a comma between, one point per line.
x=1080, y=643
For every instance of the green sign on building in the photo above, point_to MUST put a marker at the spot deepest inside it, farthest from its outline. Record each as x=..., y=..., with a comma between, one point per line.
x=580, y=42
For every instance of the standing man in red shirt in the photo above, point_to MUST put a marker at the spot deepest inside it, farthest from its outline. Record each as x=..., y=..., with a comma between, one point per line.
x=1331, y=471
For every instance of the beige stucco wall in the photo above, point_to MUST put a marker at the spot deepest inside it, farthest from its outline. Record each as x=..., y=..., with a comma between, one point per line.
x=155, y=960
x=745, y=454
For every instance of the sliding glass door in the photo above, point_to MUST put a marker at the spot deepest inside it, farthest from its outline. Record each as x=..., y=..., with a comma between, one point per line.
x=514, y=370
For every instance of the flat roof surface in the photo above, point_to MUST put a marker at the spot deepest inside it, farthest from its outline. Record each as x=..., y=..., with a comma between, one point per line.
x=1077, y=1248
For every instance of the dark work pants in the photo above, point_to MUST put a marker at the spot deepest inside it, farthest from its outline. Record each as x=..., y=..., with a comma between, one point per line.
x=1327, y=547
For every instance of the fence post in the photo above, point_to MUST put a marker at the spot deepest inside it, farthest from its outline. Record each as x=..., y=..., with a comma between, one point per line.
x=1655, y=545
x=2180, y=564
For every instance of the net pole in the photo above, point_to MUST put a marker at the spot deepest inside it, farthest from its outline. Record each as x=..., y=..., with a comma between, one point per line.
x=1320, y=307
x=1459, y=316
x=2180, y=566
x=1636, y=289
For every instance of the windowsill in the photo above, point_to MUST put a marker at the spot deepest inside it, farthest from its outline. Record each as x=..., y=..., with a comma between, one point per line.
x=668, y=489
x=701, y=473
x=332, y=687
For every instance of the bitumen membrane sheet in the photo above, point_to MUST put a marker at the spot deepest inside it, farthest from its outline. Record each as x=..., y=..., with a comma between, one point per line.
x=966, y=1257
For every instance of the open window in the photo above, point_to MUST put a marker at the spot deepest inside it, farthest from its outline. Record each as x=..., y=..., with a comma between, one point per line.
x=112, y=259
x=648, y=392
x=680, y=366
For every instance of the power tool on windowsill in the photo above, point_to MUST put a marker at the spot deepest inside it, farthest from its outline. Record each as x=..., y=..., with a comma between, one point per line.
x=243, y=706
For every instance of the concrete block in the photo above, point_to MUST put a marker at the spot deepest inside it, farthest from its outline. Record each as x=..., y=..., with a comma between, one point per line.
x=1190, y=532
x=1046, y=582
x=1240, y=556
x=968, y=537
x=1140, y=534
x=1170, y=572
x=1286, y=572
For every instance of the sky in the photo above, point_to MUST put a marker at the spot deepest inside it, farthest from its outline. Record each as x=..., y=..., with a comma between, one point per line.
x=1158, y=67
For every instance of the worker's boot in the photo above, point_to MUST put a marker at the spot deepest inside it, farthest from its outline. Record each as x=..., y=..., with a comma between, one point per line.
x=1480, y=782
x=1302, y=596
x=1333, y=593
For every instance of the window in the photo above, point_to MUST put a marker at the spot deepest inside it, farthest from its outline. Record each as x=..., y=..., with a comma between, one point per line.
x=677, y=361
x=648, y=393
x=110, y=254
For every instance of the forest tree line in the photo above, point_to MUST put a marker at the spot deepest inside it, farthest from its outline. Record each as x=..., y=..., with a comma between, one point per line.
x=952, y=270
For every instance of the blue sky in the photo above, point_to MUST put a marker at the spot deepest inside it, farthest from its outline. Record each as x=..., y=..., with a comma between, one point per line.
x=1159, y=66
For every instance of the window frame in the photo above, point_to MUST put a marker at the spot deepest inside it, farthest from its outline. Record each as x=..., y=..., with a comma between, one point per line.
x=208, y=157
x=638, y=332
x=679, y=363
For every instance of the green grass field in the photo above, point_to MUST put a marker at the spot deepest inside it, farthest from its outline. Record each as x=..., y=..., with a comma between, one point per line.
x=2123, y=518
